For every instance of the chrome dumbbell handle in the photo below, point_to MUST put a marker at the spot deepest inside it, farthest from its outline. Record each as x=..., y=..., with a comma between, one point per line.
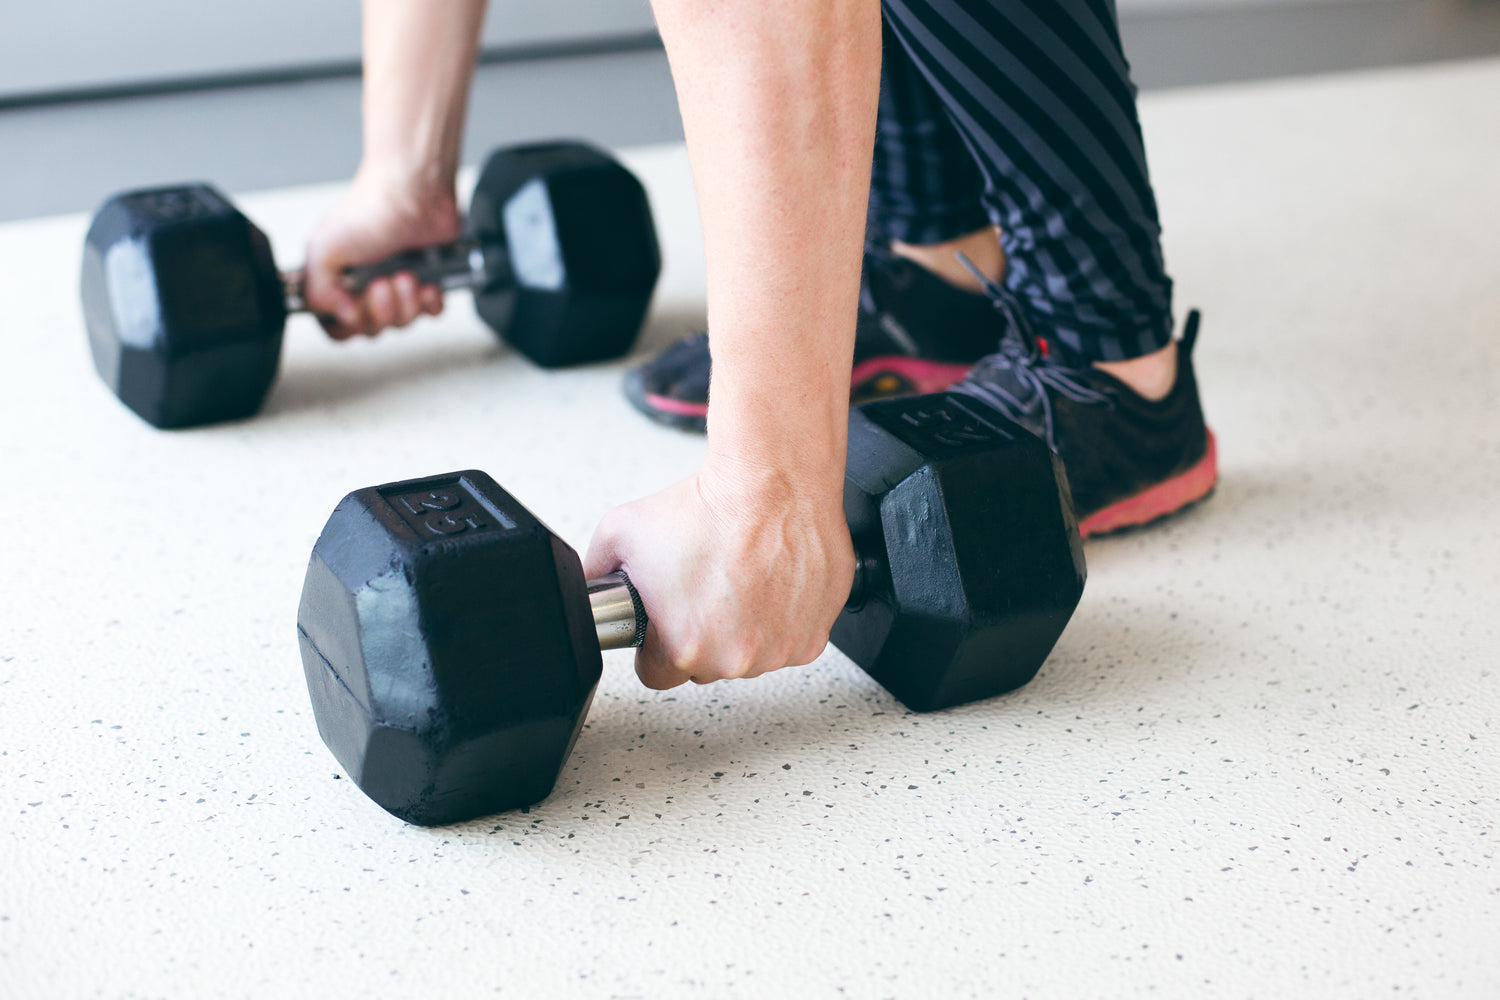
x=619, y=616
x=465, y=263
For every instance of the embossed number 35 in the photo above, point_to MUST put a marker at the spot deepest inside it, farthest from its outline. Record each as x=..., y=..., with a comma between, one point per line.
x=419, y=504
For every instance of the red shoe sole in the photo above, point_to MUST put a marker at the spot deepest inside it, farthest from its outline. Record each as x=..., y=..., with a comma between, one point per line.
x=1166, y=497
x=883, y=377
x=906, y=376
x=676, y=407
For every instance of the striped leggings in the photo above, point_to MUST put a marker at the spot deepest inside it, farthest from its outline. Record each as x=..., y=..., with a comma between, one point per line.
x=1021, y=114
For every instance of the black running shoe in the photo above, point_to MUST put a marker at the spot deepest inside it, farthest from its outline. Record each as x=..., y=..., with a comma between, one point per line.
x=1129, y=460
x=916, y=333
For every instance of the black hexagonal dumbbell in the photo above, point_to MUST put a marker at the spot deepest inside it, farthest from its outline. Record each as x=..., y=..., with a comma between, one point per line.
x=185, y=308
x=452, y=645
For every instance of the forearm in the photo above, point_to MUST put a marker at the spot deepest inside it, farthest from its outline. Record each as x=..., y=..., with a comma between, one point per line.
x=778, y=103
x=418, y=63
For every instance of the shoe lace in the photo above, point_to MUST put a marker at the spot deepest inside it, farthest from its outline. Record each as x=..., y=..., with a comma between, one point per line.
x=878, y=257
x=1022, y=365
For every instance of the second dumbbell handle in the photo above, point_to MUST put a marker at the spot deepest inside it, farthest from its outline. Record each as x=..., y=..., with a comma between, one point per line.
x=465, y=263
x=620, y=618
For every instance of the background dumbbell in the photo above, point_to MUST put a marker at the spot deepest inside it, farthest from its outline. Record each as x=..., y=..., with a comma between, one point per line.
x=451, y=643
x=185, y=308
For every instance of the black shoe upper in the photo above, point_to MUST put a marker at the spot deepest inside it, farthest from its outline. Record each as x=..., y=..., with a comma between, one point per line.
x=681, y=371
x=904, y=310
x=1114, y=443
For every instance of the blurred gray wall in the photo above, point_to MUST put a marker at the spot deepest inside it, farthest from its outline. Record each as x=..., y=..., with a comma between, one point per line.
x=71, y=46
x=99, y=95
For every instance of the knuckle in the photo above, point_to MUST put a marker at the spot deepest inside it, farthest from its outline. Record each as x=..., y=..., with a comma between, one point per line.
x=694, y=659
x=744, y=659
x=609, y=523
x=687, y=659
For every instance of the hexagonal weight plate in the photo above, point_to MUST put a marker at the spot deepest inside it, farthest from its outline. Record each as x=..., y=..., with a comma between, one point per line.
x=448, y=647
x=183, y=305
x=968, y=520
x=582, y=246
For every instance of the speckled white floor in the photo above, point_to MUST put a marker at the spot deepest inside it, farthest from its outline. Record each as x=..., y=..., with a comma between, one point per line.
x=1264, y=760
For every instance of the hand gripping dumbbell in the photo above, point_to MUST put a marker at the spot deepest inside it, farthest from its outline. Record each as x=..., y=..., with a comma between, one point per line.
x=451, y=643
x=185, y=308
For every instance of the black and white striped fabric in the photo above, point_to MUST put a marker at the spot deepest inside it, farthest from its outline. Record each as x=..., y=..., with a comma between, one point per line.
x=1021, y=114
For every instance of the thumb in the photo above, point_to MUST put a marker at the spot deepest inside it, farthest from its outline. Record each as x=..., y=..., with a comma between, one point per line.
x=606, y=551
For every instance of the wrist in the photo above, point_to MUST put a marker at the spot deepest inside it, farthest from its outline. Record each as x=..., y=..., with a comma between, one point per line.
x=418, y=60
x=416, y=187
x=764, y=423
x=777, y=435
x=765, y=479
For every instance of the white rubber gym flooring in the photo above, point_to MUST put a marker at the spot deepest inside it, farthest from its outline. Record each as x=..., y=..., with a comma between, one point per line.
x=1264, y=760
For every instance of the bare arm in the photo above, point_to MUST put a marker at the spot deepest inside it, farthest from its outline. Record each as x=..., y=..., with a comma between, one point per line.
x=745, y=566
x=418, y=63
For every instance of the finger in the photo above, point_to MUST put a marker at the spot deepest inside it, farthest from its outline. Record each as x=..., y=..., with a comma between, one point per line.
x=808, y=653
x=347, y=322
x=432, y=300
x=380, y=306
x=404, y=289
x=725, y=664
x=338, y=312
x=653, y=666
